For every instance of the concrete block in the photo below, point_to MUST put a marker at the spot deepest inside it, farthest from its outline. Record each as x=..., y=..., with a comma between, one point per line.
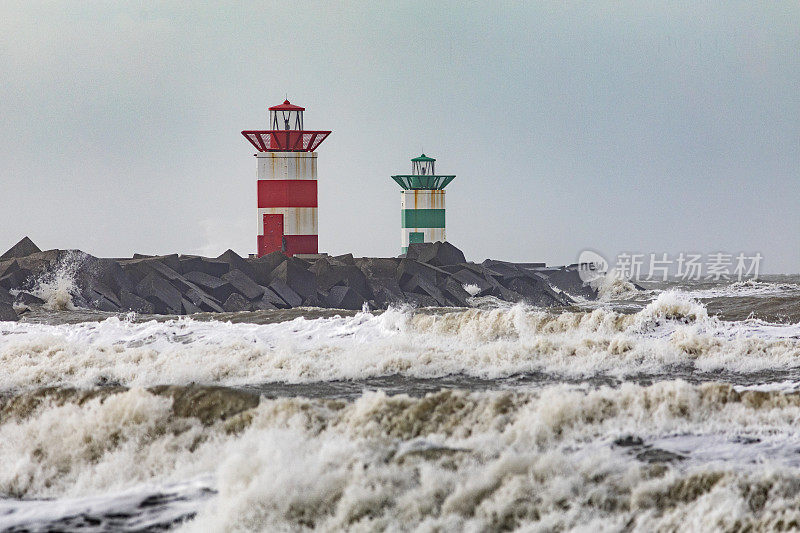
x=409, y=268
x=132, y=302
x=272, y=299
x=468, y=277
x=345, y=259
x=235, y=303
x=23, y=248
x=100, y=290
x=26, y=298
x=243, y=284
x=435, y=253
x=455, y=293
x=7, y=313
x=202, y=300
x=420, y=285
x=218, y=288
x=341, y=297
x=264, y=265
x=293, y=272
x=286, y=293
x=385, y=292
x=236, y=262
x=15, y=279
x=420, y=300
x=8, y=266
x=378, y=267
x=189, y=308
x=263, y=305
x=165, y=298
x=568, y=280
x=5, y=296
x=212, y=267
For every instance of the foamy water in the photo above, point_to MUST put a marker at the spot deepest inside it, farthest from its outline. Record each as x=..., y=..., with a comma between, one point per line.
x=698, y=429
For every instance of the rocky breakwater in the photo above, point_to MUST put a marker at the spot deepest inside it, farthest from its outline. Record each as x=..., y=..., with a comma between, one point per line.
x=431, y=275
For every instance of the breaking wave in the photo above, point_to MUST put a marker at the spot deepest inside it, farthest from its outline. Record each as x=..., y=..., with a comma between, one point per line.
x=666, y=456
x=673, y=330
x=58, y=286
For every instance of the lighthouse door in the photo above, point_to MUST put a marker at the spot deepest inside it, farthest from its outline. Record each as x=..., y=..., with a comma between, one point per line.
x=273, y=234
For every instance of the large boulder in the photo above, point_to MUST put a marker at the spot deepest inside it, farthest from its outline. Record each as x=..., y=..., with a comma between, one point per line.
x=23, y=248
x=132, y=302
x=264, y=265
x=435, y=253
x=7, y=313
x=286, y=293
x=235, y=303
x=216, y=287
x=294, y=273
x=329, y=274
x=212, y=267
x=165, y=298
x=341, y=297
x=5, y=296
x=243, y=284
x=236, y=262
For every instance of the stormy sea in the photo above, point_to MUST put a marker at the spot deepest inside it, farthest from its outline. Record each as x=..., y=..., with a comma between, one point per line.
x=671, y=407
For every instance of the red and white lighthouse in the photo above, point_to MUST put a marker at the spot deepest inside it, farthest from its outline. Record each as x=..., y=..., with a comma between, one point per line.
x=287, y=182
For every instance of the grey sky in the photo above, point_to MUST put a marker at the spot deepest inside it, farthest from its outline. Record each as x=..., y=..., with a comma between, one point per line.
x=617, y=127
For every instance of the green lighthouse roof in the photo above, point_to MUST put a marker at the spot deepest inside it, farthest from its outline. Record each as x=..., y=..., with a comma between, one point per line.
x=423, y=157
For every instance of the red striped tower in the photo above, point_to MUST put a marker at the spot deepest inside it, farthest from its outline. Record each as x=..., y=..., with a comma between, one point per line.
x=287, y=182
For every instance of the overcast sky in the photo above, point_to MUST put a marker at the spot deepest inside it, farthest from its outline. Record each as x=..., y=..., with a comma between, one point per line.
x=637, y=127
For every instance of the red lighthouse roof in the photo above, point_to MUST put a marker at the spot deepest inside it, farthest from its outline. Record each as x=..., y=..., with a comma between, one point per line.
x=286, y=106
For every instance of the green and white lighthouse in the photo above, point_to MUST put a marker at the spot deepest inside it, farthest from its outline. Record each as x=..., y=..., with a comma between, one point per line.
x=422, y=202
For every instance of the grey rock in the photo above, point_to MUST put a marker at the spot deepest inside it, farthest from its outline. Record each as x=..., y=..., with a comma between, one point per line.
x=189, y=308
x=341, y=297
x=15, y=279
x=420, y=300
x=7, y=313
x=468, y=277
x=26, y=298
x=165, y=298
x=293, y=272
x=420, y=285
x=243, y=284
x=5, y=296
x=23, y=248
x=345, y=259
x=270, y=298
x=8, y=266
x=218, y=288
x=202, y=300
x=454, y=291
x=286, y=293
x=235, y=303
x=435, y=253
x=132, y=302
x=408, y=268
x=264, y=265
x=237, y=263
x=212, y=267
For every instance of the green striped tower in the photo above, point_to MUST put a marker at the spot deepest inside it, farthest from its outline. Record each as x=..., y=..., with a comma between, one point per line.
x=421, y=203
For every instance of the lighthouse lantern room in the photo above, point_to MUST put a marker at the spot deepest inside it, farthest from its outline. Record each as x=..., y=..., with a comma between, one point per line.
x=287, y=182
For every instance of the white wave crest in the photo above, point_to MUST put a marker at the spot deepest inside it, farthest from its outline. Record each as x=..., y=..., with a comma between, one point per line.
x=486, y=343
x=646, y=458
x=57, y=286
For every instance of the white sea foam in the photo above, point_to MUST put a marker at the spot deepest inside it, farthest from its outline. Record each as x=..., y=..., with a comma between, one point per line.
x=453, y=460
x=671, y=330
x=57, y=286
x=748, y=287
